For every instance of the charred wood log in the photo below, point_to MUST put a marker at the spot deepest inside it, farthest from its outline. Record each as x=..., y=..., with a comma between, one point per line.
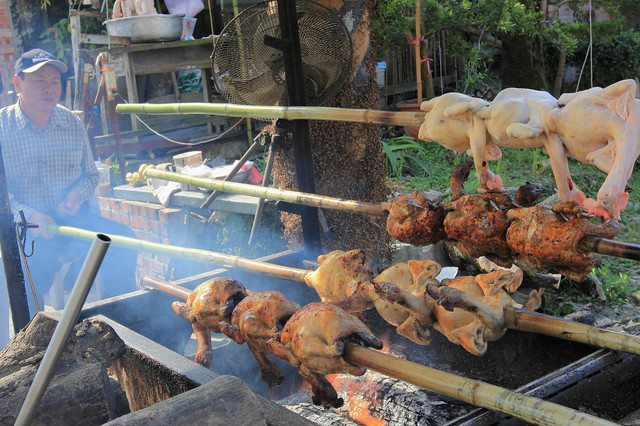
x=80, y=391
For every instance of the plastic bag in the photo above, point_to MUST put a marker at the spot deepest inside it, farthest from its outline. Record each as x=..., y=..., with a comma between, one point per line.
x=190, y=8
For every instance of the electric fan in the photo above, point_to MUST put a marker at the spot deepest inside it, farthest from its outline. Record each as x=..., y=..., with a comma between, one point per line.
x=247, y=71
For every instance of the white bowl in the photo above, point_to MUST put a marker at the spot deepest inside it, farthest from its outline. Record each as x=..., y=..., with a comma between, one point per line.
x=146, y=28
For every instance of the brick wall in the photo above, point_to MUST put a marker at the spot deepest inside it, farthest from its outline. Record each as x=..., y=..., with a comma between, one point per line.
x=7, y=53
x=150, y=222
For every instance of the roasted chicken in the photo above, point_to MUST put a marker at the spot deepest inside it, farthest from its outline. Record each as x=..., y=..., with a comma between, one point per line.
x=416, y=219
x=412, y=316
x=208, y=304
x=314, y=341
x=344, y=280
x=548, y=238
x=470, y=309
x=477, y=223
x=258, y=318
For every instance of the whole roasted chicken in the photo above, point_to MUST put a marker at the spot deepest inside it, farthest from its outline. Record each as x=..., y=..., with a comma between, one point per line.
x=412, y=316
x=258, y=318
x=470, y=309
x=549, y=237
x=344, y=280
x=314, y=340
x=211, y=302
x=416, y=219
x=477, y=223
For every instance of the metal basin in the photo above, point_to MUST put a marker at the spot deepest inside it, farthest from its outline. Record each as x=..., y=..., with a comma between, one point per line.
x=146, y=28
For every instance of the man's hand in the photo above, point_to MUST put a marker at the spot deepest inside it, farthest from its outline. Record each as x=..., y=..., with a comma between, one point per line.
x=42, y=220
x=70, y=205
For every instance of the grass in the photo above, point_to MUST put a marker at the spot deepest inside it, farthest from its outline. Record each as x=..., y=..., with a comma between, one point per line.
x=619, y=277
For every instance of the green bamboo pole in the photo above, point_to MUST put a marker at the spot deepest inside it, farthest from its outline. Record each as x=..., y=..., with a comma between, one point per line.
x=372, y=209
x=475, y=392
x=226, y=260
x=519, y=319
x=523, y=320
x=396, y=118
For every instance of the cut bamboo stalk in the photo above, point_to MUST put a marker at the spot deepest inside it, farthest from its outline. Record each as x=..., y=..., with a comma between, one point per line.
x=471, y=391
x=396, y=118
x=475, y=392
x=226, y=260
x=524, y=320
x=172, y=289
x=294, y=197
x=587, y=243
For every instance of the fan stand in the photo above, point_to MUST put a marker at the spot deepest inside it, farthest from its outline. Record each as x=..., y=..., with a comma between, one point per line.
x=290, y=46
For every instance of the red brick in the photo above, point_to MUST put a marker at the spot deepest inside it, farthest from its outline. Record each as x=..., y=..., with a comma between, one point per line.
x=125, y=207
x=169, y=215
x=125, y=220
x=139, y=223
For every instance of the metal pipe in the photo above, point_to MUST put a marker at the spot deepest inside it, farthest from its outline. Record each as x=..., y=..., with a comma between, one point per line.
x=61, y=334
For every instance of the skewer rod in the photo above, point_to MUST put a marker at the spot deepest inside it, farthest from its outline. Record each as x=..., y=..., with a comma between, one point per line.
x=227, y=260
x=396, y=118
x=523, y=320
x=294, y=197
x=610, y=247
x=529, y=409
x=172, y=289
x=519, y=319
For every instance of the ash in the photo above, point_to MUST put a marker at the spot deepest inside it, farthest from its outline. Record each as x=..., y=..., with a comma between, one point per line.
x=393, y=400
x=319, y=415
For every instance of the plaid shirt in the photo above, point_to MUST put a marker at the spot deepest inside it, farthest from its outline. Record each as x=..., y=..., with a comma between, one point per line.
x=43, y=166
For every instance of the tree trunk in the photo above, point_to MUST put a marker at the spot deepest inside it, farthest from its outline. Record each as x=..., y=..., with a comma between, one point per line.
x=347, y=157
x=522, y=62
x=29, y=21
x=557, y=84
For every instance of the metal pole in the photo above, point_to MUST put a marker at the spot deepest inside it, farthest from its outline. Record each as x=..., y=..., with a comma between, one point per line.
x=11, y=258
x=63, y=329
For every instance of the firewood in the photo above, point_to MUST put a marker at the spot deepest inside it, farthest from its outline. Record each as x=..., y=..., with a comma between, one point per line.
x=82, y=395
x=223, y=401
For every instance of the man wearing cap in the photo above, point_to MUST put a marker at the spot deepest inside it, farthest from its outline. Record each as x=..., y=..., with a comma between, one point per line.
x=51, y=175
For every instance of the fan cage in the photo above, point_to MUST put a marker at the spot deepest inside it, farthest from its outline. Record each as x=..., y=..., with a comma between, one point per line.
x=248, y=72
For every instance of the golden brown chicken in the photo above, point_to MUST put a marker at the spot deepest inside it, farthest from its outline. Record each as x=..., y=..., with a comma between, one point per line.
x=416, y=219
x=208, y=304
x=258, y=318
x=548, y=238
x=477, y=223
x=338, y=279
x=470, y=309
x=314, y=341
x=412, y=316
x=344, y=280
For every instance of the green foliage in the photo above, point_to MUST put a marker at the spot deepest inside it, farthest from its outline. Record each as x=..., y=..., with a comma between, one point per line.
x=403, y=154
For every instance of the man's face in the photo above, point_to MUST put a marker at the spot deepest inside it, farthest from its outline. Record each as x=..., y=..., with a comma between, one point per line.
x=40, y=90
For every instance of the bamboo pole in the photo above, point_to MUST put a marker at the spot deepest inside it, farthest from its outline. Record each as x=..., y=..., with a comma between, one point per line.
x=523, y=320
x=396, y=118
x=226, y=260
x=471, y=391
x=416, y=50
x=475, y=392
x=172, y=289
x=587, y=243
x=294, y=197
